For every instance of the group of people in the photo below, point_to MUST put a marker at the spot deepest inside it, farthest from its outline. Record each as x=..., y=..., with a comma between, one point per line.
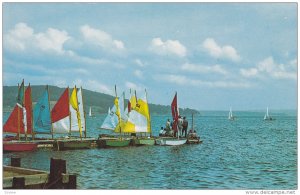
x=169, y=130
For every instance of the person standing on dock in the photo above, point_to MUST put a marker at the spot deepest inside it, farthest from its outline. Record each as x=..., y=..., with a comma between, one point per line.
x=180, y=122
x=185, y=125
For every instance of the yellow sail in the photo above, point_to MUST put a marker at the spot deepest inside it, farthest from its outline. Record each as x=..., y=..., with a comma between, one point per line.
x=74, y=104
x=139, y=118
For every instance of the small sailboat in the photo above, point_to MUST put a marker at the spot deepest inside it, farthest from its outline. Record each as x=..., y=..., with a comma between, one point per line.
x=68, y=117
x=114, y=121
x=192, y=137
x=267, y=117
x=19, y=122
x=90, y=112
x=138, y=121
x=230, y=115
x=172, y=141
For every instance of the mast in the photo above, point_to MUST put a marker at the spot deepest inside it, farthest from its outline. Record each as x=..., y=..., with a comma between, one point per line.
x=117, y=111
x=32, y=126
x=177, y=117
x=47, y=87
x=84, y=111
x=18, y=122
x=149, y=113
x=193, y=121
x=69, y=112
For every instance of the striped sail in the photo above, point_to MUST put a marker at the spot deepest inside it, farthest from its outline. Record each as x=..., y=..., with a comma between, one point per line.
x=139, y=118
x=60, y=114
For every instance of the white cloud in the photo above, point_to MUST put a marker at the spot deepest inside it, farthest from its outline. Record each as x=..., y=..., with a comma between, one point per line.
x=251, y=72
x=203, y=69
x=169, y=47
x=23, y=38
x=183, y=80
x=268, y=67
x=94, y=85
x=101, y=38
x=217, y=51
x=138, y=74
x=139, y=62
x=133, y=86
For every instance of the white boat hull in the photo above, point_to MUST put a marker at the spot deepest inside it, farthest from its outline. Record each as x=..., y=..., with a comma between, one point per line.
x=170, y=141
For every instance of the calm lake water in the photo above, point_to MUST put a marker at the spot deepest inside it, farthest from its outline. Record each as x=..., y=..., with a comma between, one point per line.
x=247, y=153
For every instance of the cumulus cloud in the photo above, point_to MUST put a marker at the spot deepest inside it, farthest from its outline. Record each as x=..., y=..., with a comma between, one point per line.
x=23, y=38
x=268, y=67
x=139, y=74
x=94, y=85
x=139, y=62
x=169, y=47
x=133, y=86
x=203, y=69
x=217, y=51
x=101, y=38
x=185, y=81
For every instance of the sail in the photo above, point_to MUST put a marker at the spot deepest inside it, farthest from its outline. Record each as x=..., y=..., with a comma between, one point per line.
x=81, y=109
x=90, y=111
x=111, y=120
x=21, y=91
x=76, y=118
x=28, y=108
x=41, y=114
x=139, y=118
x=14, y=123
x=60, y=114
x=175, y=112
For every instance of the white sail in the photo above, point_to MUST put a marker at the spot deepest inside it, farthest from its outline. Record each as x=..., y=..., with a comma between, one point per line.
x=90, y=112
x=139, y=119
x=74, y=119
x=111, y=120
x=62, y=126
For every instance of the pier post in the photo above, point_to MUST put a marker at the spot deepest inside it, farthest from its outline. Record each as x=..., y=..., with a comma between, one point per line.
x=72, y=182
x=57, y=167
x=18, y=183
x=15, y=162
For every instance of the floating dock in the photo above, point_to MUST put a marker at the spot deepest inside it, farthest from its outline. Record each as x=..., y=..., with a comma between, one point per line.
x=15, y=177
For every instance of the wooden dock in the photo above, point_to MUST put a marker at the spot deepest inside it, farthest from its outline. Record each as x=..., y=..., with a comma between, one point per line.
x=15, y=177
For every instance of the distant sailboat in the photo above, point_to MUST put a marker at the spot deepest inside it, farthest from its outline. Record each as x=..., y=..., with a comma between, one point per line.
x=90, y=112
x=230, y=115
x=267, y=117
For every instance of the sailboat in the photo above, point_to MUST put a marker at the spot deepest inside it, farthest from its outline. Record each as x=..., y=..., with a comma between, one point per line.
x=114, y=121
x=68, y=116
x=192, y=137
x=267, y=117
x=19, y=122
x=230, y=115
x=138, y=121
x=173, y=141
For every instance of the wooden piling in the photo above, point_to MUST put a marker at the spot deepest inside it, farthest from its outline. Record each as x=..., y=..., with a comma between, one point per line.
x=57, y=168
x=72, y=182
x=18, y=183
x=15, y=162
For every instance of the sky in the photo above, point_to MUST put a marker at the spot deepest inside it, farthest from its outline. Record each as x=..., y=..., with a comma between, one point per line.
x=214, y=55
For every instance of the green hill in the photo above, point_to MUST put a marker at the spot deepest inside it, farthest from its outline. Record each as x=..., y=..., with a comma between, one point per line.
x=98, y=101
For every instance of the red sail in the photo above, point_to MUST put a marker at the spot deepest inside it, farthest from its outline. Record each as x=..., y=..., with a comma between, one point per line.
x=28, y=107
x=174, y=112
x=14, y=123
x=61, y=108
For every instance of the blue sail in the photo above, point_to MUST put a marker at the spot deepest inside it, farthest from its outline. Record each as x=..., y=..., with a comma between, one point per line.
x=41, y=115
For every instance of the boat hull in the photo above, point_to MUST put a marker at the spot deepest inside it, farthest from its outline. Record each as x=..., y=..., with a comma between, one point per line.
x=193, y=141
x=112, y=142
x=19, y=146
x=170, y=141
x=73, y=144
x=144, y=141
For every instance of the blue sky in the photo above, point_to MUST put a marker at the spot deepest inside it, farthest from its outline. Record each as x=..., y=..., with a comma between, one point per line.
x=215, y=55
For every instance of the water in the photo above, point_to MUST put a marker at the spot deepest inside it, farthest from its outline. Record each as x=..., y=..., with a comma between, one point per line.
x=247, y=153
